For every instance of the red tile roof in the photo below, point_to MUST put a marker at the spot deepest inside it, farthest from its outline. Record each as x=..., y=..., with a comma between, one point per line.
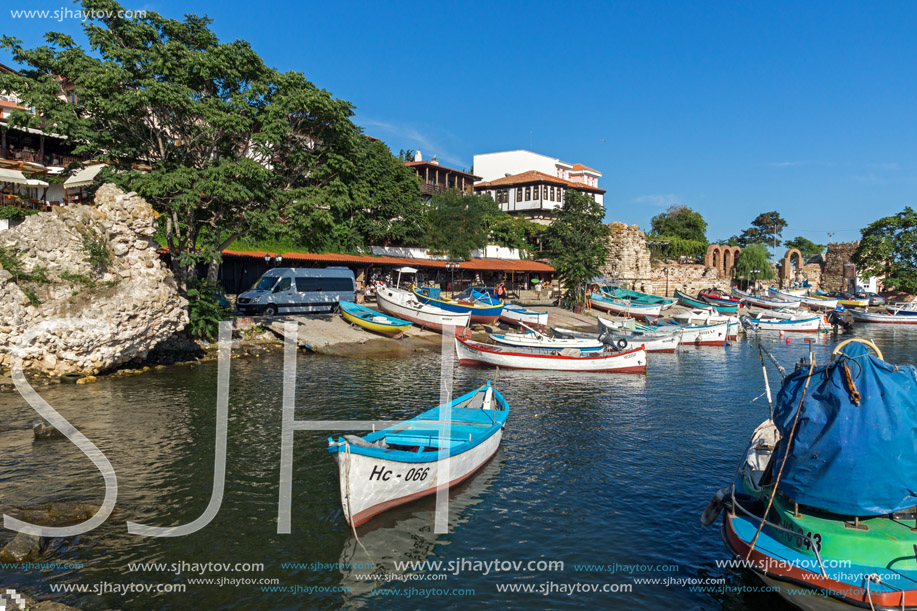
x=535, y=176
x=579, y=166
x=441, y=167
x=505, y=265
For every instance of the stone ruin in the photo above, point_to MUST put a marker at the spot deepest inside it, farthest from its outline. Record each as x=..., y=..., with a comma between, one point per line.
x=134, y=296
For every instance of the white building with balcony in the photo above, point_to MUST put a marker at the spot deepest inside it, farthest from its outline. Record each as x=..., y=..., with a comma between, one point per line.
x=533, y=185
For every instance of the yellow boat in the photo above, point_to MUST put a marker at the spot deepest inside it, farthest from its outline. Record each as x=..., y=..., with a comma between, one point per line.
x=372, y=320
x=856, y=303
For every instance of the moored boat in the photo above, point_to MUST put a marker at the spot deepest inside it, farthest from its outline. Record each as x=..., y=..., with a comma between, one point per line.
x=622, y=307
x=373, y=321
x=404, y=304
x=616, y=292
x=810, y=302
x=539, y=340
x=719, y=298
x=401, y=463
x=908, y=308
x=802, y=325
x=693, y=302
x=765, y=302
x=477, y=353
x=823, y=504
x=880, y=318
x=484, y=313
x=516, y=315
x=698, y=335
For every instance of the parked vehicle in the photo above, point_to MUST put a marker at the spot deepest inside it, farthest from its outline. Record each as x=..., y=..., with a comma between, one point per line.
x=288, y=290
x=875, y=299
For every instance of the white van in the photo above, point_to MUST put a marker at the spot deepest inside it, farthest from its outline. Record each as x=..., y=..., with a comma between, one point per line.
x=294, y=290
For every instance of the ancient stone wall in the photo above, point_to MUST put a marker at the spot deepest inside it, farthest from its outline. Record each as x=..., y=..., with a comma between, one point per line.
x=685, y=277
x=134, y=297
x=629, y=258
x=832, y=276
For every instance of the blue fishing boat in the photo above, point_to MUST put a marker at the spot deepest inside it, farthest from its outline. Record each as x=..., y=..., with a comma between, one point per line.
x=823, y=504
x=481, y=312
x=405, y=462
x=372, y=320
x=691, y=302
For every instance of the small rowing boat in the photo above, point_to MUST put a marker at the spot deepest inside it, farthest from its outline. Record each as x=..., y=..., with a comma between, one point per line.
x=803, y=325
x=373, y=321
x=697, y=335
x=484, y=313
x=765, y=302
x=692, y=302
x=907, y=308
x=533, y=339
x=404, y=304
x=402, y=463
x=622, y=307
x=887, y=319
x=810, y=302
x=636, y=297
x=477, y=353
x=719, y=298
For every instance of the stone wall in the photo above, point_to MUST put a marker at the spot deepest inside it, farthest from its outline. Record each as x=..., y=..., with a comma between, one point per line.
x=135, y=296
x=685, y=277
x=832, y=276
x=629, y=258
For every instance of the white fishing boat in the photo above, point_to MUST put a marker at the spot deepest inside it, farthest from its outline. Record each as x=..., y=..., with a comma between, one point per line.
x=698, y=335
x=803, y=325
x=905, y=308
x=534, y=339
x=402, y=463
x=404, y=304
x=622, y=307
x=810, y=302
x=765, y=302
x=516, y=315
x=878, y=317
x=509, y=357
x=666, y=343
x=782, y=313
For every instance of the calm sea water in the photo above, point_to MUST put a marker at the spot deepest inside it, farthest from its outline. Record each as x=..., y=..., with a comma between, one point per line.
x=595, y=469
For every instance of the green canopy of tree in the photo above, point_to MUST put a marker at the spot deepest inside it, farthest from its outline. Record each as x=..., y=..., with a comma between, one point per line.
x=753, y=262
x=234, y=146
x=888, y=249
x=765, y=229
x=807, y=247
x=680, y=222
x=577, y=242
x=458, y=224
x=678, y=232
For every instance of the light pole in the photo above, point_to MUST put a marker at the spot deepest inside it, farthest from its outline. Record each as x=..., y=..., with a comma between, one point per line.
x=754, y=274
x=452, y=266
x=666, y=270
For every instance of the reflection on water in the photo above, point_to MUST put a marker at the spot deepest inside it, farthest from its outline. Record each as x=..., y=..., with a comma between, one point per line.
x=595, y=469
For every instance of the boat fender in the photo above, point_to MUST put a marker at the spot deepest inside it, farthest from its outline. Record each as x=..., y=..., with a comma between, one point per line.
x=622, y=343
x=714, y=507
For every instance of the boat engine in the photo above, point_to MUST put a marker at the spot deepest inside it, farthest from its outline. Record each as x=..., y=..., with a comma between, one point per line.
x=837, y=318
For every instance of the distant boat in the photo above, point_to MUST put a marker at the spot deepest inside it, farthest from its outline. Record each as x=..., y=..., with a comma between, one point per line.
x=571, y=359
x=709, y=316
x=372, y=320
x=405, y=304
x=815, y=303
x=698, y=335
x=622, y=307
x=765, y=302
x=718, y=298
x=517, y=314
x=888, y=319
x=693, y=302
x=399, y=464
x=636, y=297
x=908, y=308
x=484, y=313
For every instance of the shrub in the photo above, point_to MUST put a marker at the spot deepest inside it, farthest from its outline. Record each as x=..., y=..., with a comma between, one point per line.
x=204, y=311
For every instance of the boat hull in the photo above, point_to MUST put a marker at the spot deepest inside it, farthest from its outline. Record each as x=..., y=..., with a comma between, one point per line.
x=389, y=329
x=708, y=335
x=625, y=309
x=486, y=315
x=370, y=495
x=691, y=302
x=885, y=319
x=810, y=325
x=521, y=341
x=764, y=302
x=388, y=301
x=515, y=316
x=633, y=361
x=813, y=303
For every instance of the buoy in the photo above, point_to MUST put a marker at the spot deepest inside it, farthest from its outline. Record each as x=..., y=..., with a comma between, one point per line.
x=788, y=340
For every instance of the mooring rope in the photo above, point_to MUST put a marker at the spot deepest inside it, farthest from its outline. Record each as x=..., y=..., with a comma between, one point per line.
x=347, y=455
x=789, y=442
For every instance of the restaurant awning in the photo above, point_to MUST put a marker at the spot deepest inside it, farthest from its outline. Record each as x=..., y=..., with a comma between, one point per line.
x=34, y=182
x=14, y=176
x=407, y=270
x=84, y=177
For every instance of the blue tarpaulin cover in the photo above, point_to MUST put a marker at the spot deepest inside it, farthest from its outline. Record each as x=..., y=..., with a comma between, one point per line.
x=850, y=459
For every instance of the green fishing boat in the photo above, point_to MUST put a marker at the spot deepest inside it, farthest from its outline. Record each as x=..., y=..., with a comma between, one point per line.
x=636, y=296
x=823, y=506
x=693, y=302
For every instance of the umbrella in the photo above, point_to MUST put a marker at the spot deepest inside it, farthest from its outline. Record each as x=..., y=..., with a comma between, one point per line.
x=536, y=280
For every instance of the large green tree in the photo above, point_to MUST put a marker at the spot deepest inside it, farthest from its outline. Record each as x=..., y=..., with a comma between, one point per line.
x=765, y=229
x=753, y=263
x=577, y=242
x=888, y=249
x=232, y=146
x=807, y=247
x=677, y=232
x=458, y=224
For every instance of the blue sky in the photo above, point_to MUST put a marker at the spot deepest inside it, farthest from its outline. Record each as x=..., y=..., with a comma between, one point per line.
x=730, y=108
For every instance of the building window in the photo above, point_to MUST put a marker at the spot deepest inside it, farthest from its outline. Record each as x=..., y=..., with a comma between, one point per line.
x=544, y=192
x=553, y=194
x=518, y=194
x=528, y=193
